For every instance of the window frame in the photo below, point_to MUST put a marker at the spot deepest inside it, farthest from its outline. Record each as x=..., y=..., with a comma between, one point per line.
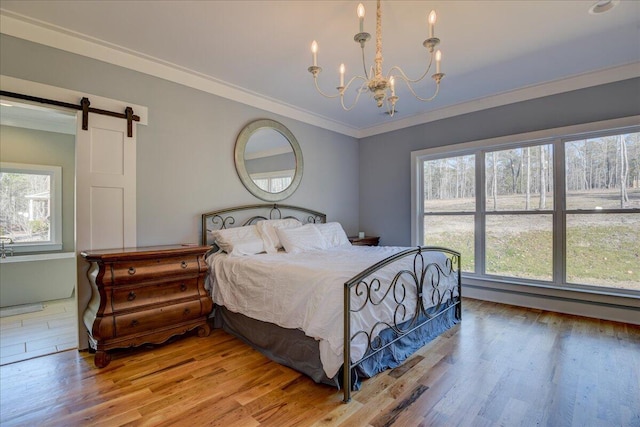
x=55, y=206
x=557, y=138
x=273, y=175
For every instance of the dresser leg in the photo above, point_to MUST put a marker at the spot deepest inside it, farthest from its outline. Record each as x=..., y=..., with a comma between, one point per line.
x=102, y=358
x=204, y=330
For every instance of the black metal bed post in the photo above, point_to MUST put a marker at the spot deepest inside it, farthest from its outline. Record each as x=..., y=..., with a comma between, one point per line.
x=346, y=367
x=459, y=311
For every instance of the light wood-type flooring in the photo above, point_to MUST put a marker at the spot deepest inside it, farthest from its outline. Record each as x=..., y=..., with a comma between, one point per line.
x=28, y=335
x=502, y=366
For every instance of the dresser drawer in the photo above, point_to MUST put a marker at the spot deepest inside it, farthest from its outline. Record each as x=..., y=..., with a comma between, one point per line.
x=148, y=320
x=131, y=297
x=137, y=271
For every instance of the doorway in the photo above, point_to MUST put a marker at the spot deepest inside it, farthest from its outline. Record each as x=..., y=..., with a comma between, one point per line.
x=34, y=323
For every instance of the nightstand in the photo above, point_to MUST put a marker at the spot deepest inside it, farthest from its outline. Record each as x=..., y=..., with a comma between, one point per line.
x=145, y=295
x=365, y=241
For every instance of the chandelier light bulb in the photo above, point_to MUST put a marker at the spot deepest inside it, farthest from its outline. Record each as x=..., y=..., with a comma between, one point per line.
x=314, y=51
x=438, y=59
x=341, y=75
x=360, y=12
x=432, y=22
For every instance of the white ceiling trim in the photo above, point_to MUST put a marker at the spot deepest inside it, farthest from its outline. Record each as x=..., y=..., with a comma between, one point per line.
x=59, y=38
x=581, y=81
x=42, y=33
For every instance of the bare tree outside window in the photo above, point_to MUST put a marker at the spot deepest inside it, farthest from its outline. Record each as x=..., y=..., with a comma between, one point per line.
x=25, y=206
x=599, y=217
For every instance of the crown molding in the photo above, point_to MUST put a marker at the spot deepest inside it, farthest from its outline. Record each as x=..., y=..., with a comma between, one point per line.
x=49, y=35
x=581, y=81
x=26, y=28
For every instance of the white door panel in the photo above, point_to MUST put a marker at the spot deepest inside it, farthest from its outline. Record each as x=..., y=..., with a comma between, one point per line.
x=105, y=194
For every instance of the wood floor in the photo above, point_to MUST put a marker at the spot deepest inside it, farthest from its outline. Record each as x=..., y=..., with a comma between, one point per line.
x=502, y=366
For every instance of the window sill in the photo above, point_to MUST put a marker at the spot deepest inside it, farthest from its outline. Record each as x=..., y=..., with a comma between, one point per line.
x=24, y=248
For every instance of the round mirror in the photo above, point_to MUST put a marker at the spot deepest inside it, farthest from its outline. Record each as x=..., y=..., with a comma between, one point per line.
x=268, y=160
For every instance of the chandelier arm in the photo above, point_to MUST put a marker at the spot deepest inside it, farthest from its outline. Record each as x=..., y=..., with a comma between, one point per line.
x=315, y=80
x=431, y=98
x=364, y=65
x=404, y=76
x=355, y=101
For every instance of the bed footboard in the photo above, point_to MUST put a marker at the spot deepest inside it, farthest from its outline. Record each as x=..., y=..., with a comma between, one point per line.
x=426, y=284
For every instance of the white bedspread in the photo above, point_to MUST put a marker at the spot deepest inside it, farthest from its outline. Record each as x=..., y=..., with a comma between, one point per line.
x=305, y=291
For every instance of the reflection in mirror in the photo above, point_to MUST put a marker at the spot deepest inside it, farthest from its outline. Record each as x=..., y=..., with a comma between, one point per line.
x=268, y=160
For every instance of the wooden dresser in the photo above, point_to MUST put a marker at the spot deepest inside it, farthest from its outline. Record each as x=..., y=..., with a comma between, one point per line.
x=364, y=241
x=145, y=295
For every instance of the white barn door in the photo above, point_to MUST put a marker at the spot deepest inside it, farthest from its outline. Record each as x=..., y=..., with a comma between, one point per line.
x=105, y=195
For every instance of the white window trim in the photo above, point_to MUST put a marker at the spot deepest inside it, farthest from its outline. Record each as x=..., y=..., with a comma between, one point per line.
x=627, y=124
x=55, y=172
x=274, y=174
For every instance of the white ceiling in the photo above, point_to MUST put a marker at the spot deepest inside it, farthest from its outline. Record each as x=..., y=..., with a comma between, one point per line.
x=258, y=52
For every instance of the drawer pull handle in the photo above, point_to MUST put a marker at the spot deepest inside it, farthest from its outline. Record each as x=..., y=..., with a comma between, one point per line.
x=134, y=323
x=131, y=296
x=132, y=271
x=183, y=264
x=186, y=311
x=183, y=287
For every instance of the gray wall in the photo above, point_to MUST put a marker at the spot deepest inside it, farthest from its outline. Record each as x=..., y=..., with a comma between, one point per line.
x=19, y=145
x=385, y=160
x=185, y=155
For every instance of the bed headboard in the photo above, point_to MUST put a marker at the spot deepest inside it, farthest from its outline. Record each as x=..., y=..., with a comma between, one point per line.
x=250, y=214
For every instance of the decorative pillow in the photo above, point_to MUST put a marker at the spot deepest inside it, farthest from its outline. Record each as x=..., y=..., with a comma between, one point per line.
x=240, y=240
x=301, y=239
x=267, y=230
x=334, y=234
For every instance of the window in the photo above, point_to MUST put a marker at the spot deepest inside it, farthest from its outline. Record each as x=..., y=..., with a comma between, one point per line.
x=31, y=206
x=449, y=205
x=602, y=177
x=518, y=217
x=561, y=211
x=273, y=182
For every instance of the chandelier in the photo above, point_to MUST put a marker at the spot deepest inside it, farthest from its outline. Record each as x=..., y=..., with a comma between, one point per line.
x=380, y=86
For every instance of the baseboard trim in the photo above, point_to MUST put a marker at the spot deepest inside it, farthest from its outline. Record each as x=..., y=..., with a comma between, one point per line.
x=561, y=304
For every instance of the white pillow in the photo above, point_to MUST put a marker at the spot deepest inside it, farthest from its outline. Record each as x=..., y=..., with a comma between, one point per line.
x=301, y=239
x=239, y=240
x=267, y=230
x=334, y=234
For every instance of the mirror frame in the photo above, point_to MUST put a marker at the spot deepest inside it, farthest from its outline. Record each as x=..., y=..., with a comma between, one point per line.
x=241, y=145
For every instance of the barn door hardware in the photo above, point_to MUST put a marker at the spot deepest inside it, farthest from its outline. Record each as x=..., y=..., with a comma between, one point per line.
x=84, y=107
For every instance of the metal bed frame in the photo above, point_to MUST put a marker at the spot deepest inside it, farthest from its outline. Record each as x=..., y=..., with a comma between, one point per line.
x=422, y=280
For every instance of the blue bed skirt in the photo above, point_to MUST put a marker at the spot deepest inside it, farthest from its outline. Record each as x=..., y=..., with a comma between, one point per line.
x=393, y=356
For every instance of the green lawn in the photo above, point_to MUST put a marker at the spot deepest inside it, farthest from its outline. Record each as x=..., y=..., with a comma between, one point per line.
x=598, y=254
